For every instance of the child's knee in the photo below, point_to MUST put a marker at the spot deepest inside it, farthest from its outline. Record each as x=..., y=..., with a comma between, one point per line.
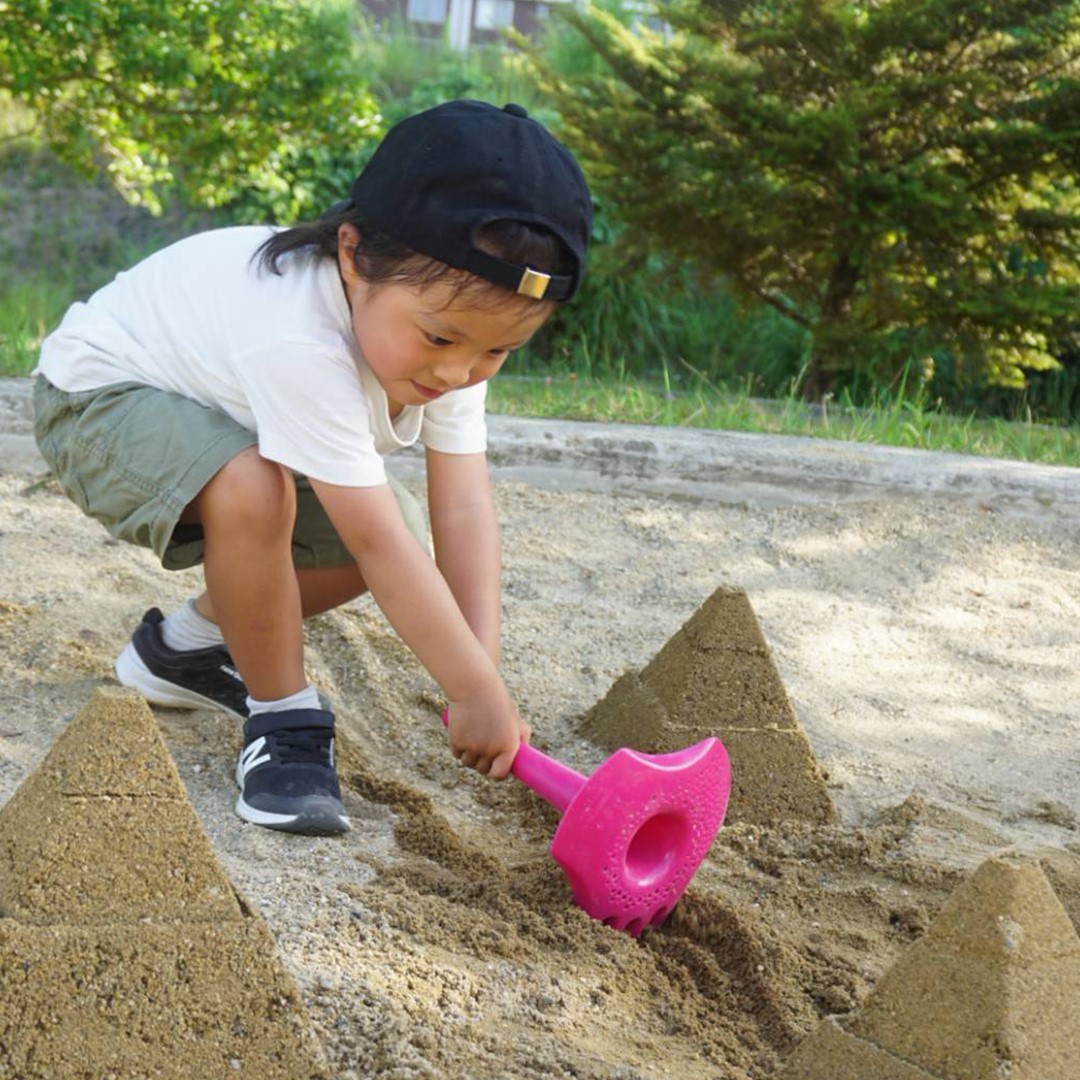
x=250, y=493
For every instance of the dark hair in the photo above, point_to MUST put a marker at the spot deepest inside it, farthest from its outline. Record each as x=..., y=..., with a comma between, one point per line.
x=380, y=259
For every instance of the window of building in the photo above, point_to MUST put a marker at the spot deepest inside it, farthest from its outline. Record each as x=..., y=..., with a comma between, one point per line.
x=428, y=11
x=493, y=14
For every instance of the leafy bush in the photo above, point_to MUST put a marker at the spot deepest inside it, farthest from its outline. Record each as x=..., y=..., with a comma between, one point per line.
x=658, y=319
x=899, y=178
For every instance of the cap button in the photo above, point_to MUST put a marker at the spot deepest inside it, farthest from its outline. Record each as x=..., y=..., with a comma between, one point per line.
x=515, y=110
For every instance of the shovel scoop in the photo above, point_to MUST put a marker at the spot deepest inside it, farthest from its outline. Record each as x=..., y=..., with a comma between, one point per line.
x=632, y=834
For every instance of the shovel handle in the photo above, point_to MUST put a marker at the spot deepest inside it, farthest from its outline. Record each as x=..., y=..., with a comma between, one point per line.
x=553, y=781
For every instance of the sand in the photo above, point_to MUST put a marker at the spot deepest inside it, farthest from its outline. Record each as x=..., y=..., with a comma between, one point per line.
x=989, y=991
x=125, y=950
x=715, y=676
x=927, y=651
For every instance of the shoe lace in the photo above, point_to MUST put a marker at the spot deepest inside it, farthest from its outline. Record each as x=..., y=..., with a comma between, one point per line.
x=303, y=747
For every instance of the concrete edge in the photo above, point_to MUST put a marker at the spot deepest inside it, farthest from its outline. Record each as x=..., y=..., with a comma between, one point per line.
x=710, y=466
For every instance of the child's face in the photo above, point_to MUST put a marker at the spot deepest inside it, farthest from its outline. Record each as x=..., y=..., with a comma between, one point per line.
x=420, y=344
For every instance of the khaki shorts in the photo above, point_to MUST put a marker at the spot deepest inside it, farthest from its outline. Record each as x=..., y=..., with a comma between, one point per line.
x=133, y=457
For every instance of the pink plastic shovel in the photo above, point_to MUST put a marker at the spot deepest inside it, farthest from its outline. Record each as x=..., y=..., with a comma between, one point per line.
x=633, y=834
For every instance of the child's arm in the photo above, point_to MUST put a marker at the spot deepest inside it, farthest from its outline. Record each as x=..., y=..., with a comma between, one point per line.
x=484, y=726
x=465, y=531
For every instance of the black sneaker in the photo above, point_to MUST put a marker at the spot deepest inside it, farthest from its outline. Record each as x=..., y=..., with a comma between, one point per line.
x=286, y=773
x=196, y=679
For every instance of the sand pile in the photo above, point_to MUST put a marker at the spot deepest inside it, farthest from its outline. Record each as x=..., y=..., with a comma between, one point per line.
x=928, y=650
x=124, y=949
x=991, y=991
x=716, y=676
x=992, y=988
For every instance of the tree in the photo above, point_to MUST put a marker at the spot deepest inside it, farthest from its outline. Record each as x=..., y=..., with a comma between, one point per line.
x=211, y=98
x=897, y=176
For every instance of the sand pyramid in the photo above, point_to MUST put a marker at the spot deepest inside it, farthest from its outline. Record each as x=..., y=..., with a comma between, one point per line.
x=124, y=950
x=1062, y=869
x=990, y=991
x=716, y=676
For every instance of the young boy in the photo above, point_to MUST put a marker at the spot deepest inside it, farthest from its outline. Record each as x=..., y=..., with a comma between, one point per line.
x=229, y=401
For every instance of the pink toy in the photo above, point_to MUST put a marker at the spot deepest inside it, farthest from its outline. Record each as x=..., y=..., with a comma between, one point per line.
x=633, y=834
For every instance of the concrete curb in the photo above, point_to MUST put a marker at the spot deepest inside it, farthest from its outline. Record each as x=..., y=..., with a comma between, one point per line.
x=711, y=466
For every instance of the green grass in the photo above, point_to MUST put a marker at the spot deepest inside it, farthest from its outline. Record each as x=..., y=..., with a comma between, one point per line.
x=61, y=237
x=28, y=310
x=888, y=423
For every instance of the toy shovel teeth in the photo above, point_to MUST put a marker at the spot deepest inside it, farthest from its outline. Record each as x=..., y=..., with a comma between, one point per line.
x=634, y=833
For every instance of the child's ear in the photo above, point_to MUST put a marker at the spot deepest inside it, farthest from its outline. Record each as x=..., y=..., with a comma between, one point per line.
x=348, y=237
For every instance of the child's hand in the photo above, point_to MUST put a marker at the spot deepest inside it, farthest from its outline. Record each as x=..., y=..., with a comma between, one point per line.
x=485, y=734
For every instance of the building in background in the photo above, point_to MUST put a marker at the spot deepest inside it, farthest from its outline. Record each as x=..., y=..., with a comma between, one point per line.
x=464, y=22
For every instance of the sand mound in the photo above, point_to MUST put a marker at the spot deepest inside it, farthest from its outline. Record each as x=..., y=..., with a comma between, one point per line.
x=715, y=676
x=124, y=949
x=928, y=651
x=990, y=991
x=831, y=1053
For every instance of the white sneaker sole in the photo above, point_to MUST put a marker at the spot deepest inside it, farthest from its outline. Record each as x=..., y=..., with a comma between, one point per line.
x=321, y=814
x=319, y=817
x=131, y=671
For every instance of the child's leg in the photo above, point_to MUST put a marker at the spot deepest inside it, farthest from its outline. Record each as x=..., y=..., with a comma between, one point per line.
x=329, y=587
x=247, y=512
x=286, y=768
x=182, y=660
x=242, y=643
x=321, y=589
x=326, y=574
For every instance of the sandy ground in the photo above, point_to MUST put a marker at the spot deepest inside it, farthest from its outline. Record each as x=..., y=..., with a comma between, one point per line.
x=930, y=648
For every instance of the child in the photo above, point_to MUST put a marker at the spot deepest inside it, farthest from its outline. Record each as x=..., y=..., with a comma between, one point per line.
x=229, y=399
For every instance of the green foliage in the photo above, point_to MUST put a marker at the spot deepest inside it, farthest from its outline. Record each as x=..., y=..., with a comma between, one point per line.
x=273, y=123
x=206, y=99
x=408, y=73
x=646, y=315
x=896, y=176
x=60, y=239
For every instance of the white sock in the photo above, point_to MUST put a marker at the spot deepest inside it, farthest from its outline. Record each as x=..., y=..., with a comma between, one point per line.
x=185, y=629
x=308, y=698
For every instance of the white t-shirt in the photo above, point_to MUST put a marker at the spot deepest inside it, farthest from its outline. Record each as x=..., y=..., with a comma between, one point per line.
x=276, y=353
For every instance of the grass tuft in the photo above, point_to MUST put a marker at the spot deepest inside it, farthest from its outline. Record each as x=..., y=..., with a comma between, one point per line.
x=898, y=422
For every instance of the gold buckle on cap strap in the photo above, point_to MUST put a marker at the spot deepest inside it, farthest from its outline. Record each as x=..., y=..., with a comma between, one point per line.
x=533, y=283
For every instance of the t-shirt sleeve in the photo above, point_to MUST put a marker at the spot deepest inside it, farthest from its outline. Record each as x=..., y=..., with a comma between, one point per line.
x=455, y=423
x=311, y=414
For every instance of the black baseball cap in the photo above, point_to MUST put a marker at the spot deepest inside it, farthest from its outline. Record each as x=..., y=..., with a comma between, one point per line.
x=440, y=175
